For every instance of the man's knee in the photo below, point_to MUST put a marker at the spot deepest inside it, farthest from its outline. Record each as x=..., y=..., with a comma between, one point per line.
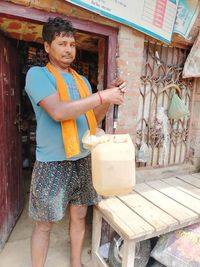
x=43, y=226
x=78, y=213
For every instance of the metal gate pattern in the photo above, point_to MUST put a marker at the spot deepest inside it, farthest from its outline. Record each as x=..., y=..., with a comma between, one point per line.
x=162, y=65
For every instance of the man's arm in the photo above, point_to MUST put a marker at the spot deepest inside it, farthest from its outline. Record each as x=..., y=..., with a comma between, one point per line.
x=100, y=112
x=65, y=110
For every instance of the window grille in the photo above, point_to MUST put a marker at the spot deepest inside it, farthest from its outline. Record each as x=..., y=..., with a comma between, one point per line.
x=162, y=66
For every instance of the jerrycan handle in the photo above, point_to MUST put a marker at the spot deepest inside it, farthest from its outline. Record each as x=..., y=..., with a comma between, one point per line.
x=119, y=139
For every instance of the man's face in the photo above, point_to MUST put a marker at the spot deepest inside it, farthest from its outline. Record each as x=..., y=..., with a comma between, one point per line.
x=62, y=50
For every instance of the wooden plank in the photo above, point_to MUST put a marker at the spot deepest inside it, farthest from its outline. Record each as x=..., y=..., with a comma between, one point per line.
x=177, y=195
x=191, y=179
x=123, y=219
x=176, y=210
x=197, y=175
x=181, y=185
x=99, y=261
x=148, y=211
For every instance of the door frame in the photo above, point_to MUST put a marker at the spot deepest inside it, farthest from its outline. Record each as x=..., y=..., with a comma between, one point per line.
x=12, y=197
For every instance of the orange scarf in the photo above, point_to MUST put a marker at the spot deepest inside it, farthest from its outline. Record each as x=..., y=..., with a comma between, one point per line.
x=69, y=127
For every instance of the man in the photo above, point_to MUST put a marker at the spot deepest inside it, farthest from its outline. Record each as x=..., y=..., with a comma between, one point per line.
x=65, y=108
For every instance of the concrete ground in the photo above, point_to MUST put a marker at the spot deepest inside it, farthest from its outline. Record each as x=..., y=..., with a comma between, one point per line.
x=16, y=252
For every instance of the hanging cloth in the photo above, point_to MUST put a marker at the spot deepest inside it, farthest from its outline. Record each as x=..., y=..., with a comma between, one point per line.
x=69, y=127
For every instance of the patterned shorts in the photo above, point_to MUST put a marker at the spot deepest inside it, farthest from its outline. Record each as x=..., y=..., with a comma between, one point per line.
x=55, y=184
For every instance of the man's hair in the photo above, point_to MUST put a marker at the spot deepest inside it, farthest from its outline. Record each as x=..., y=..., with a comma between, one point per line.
x=56, y=27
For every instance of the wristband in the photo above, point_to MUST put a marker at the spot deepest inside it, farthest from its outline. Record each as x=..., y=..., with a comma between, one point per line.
x=100, y=98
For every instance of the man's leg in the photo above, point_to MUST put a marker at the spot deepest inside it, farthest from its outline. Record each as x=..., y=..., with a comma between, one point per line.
x=40, y=243
x=77, y=233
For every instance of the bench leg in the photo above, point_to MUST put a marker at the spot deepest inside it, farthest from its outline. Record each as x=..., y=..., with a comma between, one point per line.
x=128, y=256
x=97, y=260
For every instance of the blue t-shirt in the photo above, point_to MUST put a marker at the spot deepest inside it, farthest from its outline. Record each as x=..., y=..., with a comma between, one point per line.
x=40, y=83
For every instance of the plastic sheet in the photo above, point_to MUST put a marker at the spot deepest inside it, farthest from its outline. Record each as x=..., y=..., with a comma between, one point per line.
x=192, y=64
x=177, y=109
x=179, y=248
x=90, y=141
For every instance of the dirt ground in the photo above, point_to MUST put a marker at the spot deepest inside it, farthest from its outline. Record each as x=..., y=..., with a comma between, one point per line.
x=16, y=252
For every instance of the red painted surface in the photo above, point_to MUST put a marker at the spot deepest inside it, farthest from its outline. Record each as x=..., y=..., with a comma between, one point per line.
x=15, y=25
x=11, y=195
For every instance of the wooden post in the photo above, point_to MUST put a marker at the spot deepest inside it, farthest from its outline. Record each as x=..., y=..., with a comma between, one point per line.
x=96, y=235
x=128, y=256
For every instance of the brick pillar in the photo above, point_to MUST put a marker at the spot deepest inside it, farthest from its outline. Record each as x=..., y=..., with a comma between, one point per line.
x=129, y=64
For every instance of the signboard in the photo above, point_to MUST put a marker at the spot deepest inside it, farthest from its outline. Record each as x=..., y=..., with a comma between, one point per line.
x=186, y=15
x=153, y=17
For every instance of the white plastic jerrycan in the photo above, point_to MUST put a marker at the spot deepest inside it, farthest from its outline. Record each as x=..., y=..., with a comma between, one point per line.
x=113, y=166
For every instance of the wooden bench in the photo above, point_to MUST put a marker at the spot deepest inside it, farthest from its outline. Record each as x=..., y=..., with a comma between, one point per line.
x=153, y=208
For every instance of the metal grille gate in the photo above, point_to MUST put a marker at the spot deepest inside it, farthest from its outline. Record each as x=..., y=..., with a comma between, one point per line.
x=163, y=65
